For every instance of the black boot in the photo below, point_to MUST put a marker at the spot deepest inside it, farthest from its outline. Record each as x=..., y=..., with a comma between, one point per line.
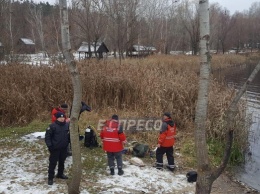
x=112, y=171
x=50, y=181
x=170, y=169
x=63, y=176
x=120, y=171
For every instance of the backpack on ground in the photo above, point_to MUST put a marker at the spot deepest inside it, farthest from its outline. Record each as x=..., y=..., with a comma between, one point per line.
x=140, y=150
x=90, y=137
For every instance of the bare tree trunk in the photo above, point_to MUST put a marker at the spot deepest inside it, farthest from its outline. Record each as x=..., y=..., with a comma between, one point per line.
x=203, y=185
x=11, y=29
x=35, y=19
x=56, y=33
x=74, y=136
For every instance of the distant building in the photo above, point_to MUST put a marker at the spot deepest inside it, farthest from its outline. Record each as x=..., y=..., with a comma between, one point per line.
x=95, y=49
x=2, y=51
x=141, y=51
x=25, y=46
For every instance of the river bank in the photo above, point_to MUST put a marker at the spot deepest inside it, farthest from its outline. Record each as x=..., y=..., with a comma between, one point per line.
x=146, y=88
x=31, y=177
x=235, y=77
x=228, y=184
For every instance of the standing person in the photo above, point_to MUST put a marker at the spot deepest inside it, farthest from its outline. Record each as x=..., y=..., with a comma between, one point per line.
x=57, y=141
x=166, y=142
x=62, y=108
x=84, y=107
x=113, y=138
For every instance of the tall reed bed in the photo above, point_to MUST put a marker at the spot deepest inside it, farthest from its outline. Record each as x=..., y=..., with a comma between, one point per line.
x=27, y=92
x=135, y=88
x=146, y=87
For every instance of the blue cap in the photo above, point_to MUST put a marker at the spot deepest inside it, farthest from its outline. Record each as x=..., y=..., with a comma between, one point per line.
x=59, y=115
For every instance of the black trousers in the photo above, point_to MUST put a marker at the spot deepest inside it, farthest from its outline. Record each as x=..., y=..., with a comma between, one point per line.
x=159, y=157
x=111, y=156
x=57, y=156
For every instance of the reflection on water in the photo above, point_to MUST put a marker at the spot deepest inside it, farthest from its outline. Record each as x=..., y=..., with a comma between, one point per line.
x=250, y=172
x=236, y=77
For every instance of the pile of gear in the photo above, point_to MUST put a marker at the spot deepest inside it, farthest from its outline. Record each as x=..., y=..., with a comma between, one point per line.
x=139, y=150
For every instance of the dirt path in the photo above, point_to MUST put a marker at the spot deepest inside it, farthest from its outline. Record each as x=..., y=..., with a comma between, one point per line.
x=224, y=185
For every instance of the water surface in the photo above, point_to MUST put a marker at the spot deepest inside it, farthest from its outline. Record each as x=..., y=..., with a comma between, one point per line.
x=249, y=173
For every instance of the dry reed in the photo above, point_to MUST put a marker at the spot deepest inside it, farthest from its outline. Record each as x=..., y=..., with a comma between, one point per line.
x=138, y=88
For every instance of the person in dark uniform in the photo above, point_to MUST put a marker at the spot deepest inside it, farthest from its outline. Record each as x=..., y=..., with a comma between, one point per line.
x=57, y=141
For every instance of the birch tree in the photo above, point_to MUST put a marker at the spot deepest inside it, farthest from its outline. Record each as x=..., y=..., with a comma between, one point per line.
x=207, y=174
x=35, y=18
x=203, y=184
x=56, y=29
x=190, y=21
x=11, y=26
x=77, y=96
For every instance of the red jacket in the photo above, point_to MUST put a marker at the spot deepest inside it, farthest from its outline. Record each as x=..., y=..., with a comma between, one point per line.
x=166, y=138
x=54, y=111
x=112, y=137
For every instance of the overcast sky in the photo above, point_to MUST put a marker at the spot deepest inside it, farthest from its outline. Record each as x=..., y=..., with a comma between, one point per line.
x=235, y=5
x=231, y=5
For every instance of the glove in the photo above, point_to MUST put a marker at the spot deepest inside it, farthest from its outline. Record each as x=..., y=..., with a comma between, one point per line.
x=50, y=148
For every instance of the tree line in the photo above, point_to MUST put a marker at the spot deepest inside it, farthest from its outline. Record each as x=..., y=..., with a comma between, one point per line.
x=169, y=25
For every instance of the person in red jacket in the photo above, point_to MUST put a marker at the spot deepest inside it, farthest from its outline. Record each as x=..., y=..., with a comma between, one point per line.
x=113, y=139
x=62, y=108
x=166, y=142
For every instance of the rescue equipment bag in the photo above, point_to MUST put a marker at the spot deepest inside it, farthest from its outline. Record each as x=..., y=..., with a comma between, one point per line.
x=90, y=137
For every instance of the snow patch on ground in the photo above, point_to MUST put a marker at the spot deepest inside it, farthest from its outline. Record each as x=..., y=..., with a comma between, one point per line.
x=25, y=172
x=22, y=173
x=34, y=136
x=146, y=180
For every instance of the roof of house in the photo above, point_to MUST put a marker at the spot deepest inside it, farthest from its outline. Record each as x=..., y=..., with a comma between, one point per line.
x=85, y=47
x=27, y=41
x=143, y=48
x=1, y=44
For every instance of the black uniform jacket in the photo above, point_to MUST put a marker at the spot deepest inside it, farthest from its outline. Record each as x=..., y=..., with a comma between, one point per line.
x=57, y=135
